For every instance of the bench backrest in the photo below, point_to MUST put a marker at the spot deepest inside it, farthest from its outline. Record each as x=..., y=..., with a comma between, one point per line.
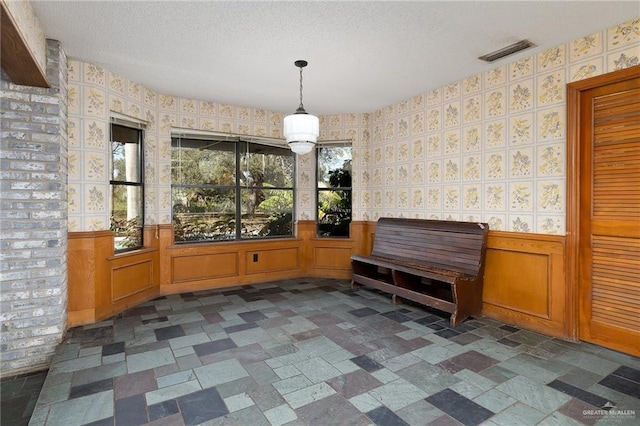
x=458, y=246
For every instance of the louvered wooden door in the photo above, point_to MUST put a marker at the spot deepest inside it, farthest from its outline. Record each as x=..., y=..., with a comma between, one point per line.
x=609, y=232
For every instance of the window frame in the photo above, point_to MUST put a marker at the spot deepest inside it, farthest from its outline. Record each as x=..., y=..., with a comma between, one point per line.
x=318, y=190
x=140, y=129
x=238, y=142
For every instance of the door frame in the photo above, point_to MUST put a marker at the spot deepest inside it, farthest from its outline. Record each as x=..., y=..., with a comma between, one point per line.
x=572, y=252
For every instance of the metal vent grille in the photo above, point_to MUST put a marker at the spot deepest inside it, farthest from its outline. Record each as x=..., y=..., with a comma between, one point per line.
x=506, y=51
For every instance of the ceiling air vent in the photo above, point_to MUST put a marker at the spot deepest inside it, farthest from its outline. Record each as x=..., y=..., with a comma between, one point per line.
x=506, y=51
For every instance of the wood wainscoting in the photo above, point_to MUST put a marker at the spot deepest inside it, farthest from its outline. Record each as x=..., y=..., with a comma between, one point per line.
x=203, y=266
x=524, y=282
x=101, y=283
x=331, y=257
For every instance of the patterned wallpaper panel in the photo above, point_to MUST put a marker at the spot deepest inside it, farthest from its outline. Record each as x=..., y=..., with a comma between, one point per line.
x=95, y=93
x=490, y=147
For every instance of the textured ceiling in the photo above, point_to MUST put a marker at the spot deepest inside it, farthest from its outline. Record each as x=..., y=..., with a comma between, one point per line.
x=362, y=55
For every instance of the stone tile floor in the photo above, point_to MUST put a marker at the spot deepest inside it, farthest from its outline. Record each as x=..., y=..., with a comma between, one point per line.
x=315, y=352
x=18, y=396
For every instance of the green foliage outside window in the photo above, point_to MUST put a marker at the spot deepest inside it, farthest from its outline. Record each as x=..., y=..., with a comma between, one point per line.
x=334, y=190
x=126, y=220
x=221, y=194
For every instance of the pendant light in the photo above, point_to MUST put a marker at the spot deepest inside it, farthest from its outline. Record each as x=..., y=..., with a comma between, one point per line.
x=301, y=130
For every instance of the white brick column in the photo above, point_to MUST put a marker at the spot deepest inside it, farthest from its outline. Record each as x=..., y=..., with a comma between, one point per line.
x=33, y=218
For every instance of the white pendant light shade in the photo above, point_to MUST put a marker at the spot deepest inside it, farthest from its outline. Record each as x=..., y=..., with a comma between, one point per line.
x=300, y=129
x=301, y=132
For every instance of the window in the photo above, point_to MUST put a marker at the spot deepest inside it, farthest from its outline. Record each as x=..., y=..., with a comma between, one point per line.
x=127, y=190
x=334, y=189
x=230, y=190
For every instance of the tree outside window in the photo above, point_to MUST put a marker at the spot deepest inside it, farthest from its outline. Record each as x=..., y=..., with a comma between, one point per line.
x=333, y=190
x=230, y=190
x=127, y=191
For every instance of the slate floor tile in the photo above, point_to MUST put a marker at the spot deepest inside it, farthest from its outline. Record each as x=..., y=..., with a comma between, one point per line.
x=317, y=369
x=149, y=359
x=201, y=406
x=447, y=333
x=266, y=397
x=628, y=373
x=465, y=338
x=252, y=316
x=534, y=394
x=134, y=384
x=397, y=394
x=237, y=402
x=581, y=411
x=363, y=312
x=220, y=372
x=308, y=395
x=163, y=409
x=384, y=417
x=474, y=361
x=313, y=352
x=216, y=346
x=292, y=384
x=366, y=363
x=91, y=388
x=166, y=333
x=240, y=327
x=82, y=410
x=280, y=415
x=460, y=408
x=397, y=316
x=450, y=366
x=331, y=407
x=109, y=421
x=578, y=393
x=622, y=385
x=429, y=319
x=429, y=378
x=325, y=319
x=508, y=342
x=154, y=320
x=509, y=328
x=354, y=383
x=213, y=317
x=131, y=411
x=437, y=326
x=113, y=348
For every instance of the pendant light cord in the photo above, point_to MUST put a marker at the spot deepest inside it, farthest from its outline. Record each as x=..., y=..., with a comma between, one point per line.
x=301, y=107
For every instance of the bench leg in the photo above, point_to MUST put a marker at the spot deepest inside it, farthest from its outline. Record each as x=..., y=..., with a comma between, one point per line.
x=396, y=300
x=354, y=285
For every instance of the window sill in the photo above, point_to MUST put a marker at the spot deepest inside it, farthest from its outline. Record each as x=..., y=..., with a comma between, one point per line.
x=347, y=239
x=192, y=244
x=132, y=253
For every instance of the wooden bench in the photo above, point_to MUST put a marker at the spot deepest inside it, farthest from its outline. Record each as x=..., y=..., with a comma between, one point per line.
x=431, y=262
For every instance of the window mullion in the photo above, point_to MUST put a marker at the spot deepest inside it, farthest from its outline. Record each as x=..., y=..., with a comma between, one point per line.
x=238, y=195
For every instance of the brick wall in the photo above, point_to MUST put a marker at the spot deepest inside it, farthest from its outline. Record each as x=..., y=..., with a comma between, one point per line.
x=33, y=218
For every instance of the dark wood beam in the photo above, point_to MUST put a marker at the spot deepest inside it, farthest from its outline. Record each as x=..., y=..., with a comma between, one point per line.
x=16, y=60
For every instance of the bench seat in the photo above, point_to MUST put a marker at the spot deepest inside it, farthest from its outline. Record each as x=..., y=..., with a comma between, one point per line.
x=422, y=269
x=435, y=263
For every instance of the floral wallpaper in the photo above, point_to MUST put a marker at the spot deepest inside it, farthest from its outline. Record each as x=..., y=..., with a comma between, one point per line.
x=490, y=147
x=94, y=94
